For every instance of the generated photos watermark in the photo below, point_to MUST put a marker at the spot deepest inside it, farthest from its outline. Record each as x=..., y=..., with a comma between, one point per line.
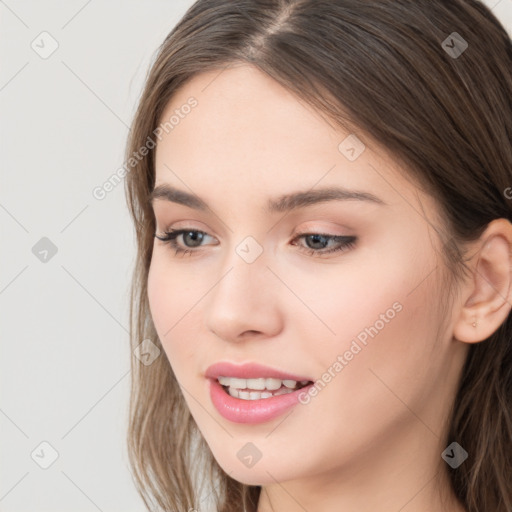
x=355, y=348
x=101, y=191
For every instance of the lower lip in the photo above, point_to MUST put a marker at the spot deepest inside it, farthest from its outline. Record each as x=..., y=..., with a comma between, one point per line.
x=251, y=411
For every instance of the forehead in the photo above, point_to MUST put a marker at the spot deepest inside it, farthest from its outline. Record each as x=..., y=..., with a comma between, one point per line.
x=242, y=110
x=248, y=133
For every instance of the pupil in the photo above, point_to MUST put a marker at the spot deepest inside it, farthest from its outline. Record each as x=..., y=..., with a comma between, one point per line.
x=194, y=235
x=316, y=238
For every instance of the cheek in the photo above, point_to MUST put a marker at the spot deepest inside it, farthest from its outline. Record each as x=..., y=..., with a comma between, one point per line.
x=362, y=297
x=379, y=315
x=172, y=290
x=386, y=330
x=170, y=299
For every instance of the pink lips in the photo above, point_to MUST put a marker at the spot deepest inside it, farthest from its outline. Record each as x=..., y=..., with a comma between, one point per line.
x=238, y=410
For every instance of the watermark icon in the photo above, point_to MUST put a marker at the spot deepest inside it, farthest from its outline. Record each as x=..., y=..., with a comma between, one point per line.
x=508, y=193
x=249, y=249
x=454, y=455
x=101, y=191
x=146, y=352
x=249, y=454
x=354, y=349
x=455, y=45
x=44, y=250
x=351, y=147
x=44, y=45
x=44, y=455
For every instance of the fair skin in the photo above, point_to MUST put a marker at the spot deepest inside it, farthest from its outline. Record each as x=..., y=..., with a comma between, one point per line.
x=372, y=438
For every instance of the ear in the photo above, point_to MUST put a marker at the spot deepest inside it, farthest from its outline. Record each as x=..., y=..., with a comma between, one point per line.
x=487, y=296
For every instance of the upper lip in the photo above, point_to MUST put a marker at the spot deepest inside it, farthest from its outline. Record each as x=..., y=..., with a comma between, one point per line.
x=249, y=371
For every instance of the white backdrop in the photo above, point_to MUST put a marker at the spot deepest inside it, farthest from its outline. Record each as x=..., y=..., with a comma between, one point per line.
x=70, y=76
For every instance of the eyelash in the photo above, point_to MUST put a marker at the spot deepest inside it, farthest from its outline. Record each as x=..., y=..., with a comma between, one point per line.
x=346, y=242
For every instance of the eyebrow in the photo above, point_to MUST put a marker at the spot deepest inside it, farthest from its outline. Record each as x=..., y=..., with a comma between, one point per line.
x=284, y=203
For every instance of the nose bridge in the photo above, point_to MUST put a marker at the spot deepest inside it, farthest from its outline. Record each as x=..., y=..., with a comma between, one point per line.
x=244, y=268
x=244, y=297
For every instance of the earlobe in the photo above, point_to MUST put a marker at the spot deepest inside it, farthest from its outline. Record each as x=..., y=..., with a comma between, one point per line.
x=488, y=294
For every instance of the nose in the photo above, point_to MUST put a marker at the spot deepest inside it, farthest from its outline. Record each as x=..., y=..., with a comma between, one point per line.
x=244, y=303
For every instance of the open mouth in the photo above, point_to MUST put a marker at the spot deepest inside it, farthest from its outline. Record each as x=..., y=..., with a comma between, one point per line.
x=260, y=388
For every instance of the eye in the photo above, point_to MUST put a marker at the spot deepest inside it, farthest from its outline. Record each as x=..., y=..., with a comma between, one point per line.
x=193, y=236
x=316, y=242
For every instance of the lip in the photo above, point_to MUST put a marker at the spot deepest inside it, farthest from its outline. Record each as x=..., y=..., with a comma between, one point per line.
x=239, y=410
x=249, y=371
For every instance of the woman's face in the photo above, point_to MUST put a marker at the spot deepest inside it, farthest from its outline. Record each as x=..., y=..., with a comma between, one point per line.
x=361, y=322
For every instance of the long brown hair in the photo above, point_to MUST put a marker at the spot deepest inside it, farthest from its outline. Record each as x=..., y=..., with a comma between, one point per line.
x=440, y=102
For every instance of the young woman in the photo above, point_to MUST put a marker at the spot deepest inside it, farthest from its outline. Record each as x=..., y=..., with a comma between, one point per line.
x=321, y=192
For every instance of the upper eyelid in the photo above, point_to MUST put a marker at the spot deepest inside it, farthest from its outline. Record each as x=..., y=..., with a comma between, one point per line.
x=307, y=231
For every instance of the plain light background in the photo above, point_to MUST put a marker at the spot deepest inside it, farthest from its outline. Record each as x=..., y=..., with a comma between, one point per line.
x=65, y=358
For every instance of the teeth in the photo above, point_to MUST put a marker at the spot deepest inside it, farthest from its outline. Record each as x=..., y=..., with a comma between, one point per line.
x=258, y=384
x=256, y=395
x=232, y=382
x=255, y=389
x=233, y=392
x=273, y=384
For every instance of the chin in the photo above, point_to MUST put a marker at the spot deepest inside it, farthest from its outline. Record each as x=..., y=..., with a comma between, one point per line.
x=261, y=473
